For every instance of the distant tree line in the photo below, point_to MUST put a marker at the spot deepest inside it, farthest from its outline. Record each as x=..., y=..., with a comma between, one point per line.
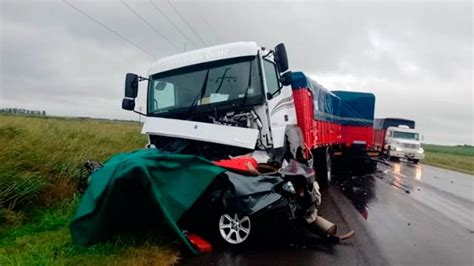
x=21, y=111
x=465, y=145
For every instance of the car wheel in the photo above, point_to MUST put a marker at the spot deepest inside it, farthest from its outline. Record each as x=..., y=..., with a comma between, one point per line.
x=234, y=229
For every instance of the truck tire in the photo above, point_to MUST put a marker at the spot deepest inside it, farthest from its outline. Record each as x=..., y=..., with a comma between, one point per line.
x=324, y=168
x=392, y=158
x=415, y=161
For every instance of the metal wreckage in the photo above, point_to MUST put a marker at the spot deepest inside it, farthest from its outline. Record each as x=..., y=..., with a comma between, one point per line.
x=237, y=144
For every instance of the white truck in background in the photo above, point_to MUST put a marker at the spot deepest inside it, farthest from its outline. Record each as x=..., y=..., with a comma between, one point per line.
x=397, y=138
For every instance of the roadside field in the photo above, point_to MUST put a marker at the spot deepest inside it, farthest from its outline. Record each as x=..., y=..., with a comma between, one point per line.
x=40, y=161
x=457, y=158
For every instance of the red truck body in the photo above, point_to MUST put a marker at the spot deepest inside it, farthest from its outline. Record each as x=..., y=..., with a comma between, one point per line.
x=357, y=134
x=335, y=124
x=316, y=133
x=332, y=118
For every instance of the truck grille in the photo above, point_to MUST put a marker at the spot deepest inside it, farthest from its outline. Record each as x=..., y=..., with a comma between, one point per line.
x=410, y=146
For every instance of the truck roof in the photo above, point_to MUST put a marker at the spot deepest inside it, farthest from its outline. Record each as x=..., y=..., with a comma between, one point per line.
x=393, y=122
x=327, y=104
x=345, y=107
x=357, y=108
x=402, y=129
x=208, y=54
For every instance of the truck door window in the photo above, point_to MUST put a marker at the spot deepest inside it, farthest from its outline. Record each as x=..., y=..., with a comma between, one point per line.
x=163, y=95
x=271, y=77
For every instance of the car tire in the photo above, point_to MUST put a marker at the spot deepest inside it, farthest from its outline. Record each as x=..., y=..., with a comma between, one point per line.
x=234, y=229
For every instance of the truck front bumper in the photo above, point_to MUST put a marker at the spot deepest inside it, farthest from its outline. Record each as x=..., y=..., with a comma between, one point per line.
x=407, y=155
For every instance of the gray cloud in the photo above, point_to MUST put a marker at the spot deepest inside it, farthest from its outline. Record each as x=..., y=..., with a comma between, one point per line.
x=416, y=57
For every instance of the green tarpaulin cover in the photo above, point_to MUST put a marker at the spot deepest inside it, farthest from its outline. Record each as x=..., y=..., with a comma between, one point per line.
x=139, y=190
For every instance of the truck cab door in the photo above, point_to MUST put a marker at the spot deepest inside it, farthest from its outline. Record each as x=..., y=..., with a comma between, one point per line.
x=281, y=109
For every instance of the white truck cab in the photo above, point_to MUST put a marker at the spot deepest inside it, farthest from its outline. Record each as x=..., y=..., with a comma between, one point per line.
x=403, y=142
x=236, y=95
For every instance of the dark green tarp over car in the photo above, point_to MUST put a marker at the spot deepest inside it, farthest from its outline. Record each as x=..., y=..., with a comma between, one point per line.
x=140, y=190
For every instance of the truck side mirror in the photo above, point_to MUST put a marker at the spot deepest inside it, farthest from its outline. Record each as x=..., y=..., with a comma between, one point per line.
x=281, y=58
x=128, y=104
x=131, y=86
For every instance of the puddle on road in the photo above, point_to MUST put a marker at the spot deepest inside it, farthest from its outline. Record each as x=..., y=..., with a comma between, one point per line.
x=409, y=169
x=397, y=179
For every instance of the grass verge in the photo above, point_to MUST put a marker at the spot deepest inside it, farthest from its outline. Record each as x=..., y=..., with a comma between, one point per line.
x=457, y=158
x=40, y=160
x=45, y=240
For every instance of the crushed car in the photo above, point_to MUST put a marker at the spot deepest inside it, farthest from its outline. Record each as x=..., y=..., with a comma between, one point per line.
x=196, y=199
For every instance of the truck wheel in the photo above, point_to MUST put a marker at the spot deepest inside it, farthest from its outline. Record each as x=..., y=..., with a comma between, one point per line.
x=324, y=169
x=234, y=229
x=415, y=161
x=392, y=158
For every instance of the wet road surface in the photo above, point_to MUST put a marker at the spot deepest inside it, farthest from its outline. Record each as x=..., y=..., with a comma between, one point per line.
x=415, y=215
x=423, y=215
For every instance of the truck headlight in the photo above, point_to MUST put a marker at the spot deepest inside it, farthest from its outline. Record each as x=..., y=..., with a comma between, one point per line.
x=398, y=149
x=421, y=150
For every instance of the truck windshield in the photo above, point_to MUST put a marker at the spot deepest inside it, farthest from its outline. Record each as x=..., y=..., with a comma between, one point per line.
x=405, y=135
x=233, y=82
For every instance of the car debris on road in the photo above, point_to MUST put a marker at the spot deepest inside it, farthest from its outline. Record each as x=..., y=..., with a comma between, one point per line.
x=140, y=190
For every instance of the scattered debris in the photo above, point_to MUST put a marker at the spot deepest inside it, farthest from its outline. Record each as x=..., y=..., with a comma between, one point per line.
x=87, y=169
x=199, y=243
x=359, y=189
x=117, y=200
x=337, y=239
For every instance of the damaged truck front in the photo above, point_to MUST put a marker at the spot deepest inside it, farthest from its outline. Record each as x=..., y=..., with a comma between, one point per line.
x=221, y=101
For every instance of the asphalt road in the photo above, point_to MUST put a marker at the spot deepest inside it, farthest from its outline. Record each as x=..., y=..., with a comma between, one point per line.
x=423, y=215
x=404, y=214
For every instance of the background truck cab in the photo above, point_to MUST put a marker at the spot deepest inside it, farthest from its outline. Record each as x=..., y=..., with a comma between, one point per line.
x=397, y=138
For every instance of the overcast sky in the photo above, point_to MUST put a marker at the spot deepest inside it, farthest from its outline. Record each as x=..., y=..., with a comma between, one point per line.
x=417, y=58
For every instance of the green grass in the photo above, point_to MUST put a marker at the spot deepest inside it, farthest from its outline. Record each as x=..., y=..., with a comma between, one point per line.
x=455, y=150
x=457, y=158
x=40, y=161
x=42, y=156
x=45, y=240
